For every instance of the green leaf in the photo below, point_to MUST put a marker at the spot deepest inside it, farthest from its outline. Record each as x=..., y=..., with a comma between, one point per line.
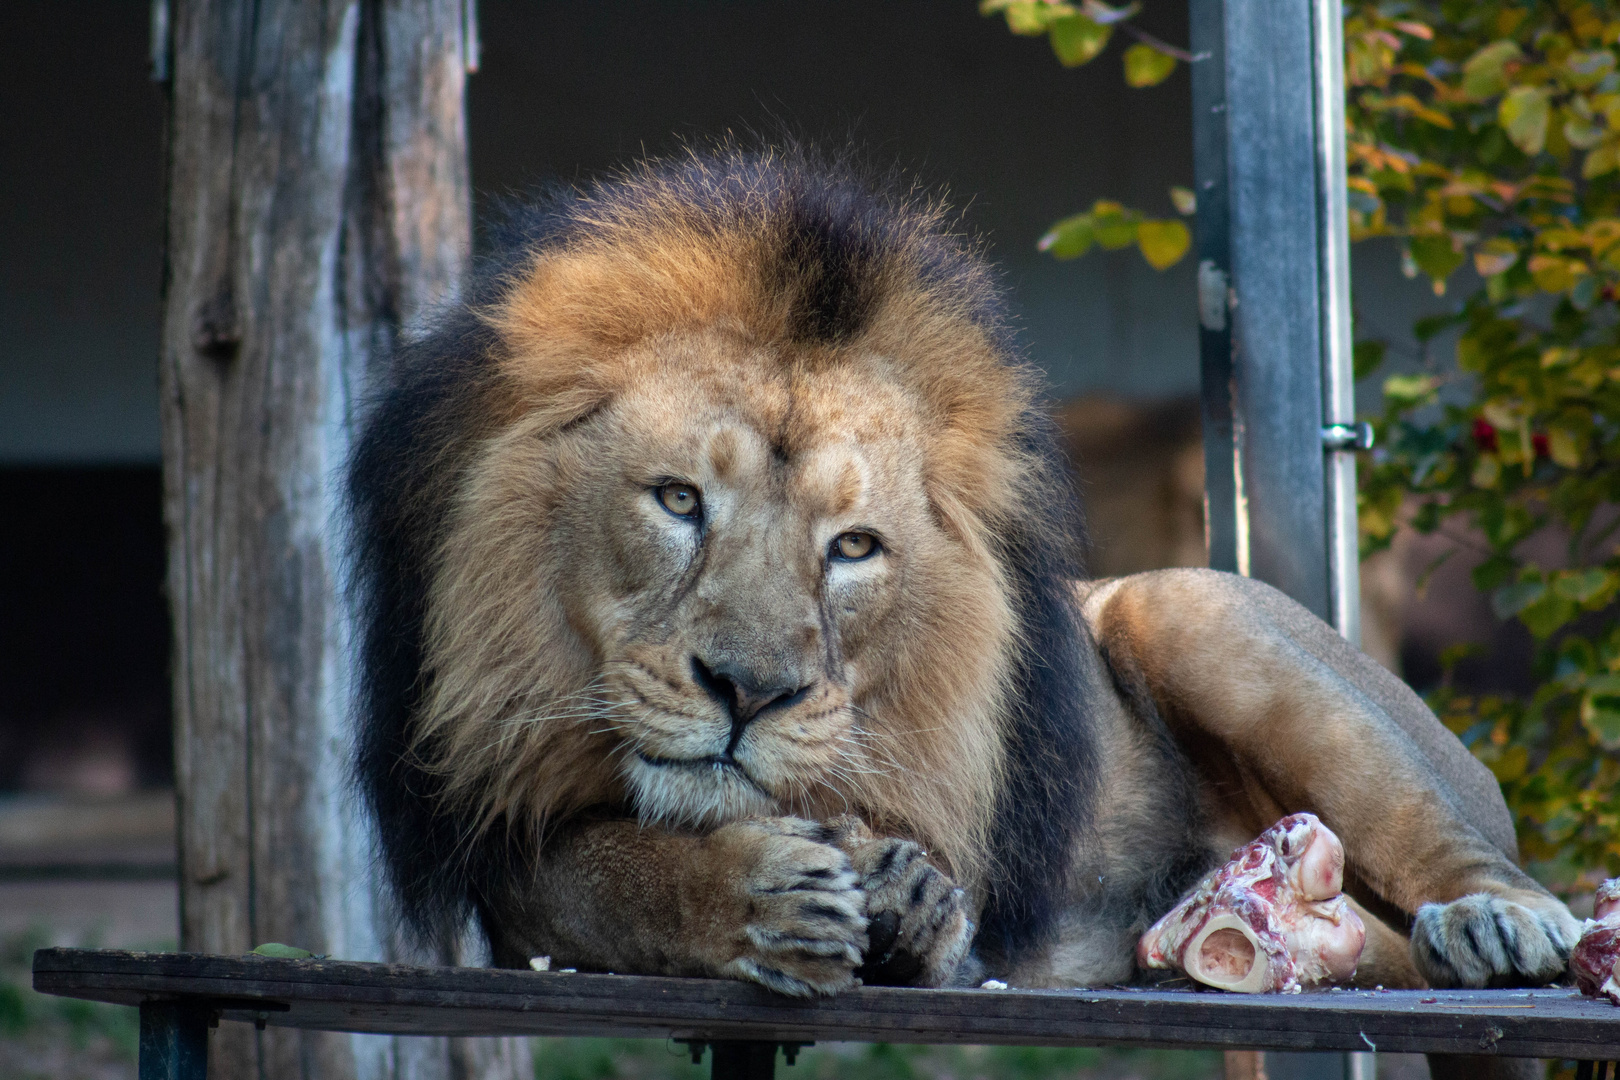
x=1495, y=256
x=1484, y=75
x=282, y=952
x=1114, y=225
x=1602, y=160
x=1368, y=356
x=1583, y=586
x=1555, y=273
x=1487, y=471
x=1077, y=40
x=1564, y=447
x=1582, y=133
x=1523, y=114
x=1430, y=325
x=1509, y=600
x=1435, y=255
x=1069, y=238
x=1584, y=70
x=1027, y=17
x=1163, y=243
x=1546, y=615
x=1600, y=710
x=1408, y=390
x=1147, y=66
x=1514, y=763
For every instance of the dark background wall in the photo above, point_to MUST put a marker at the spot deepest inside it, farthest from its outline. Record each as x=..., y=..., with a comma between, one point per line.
x=567, y=90
x=81, y=132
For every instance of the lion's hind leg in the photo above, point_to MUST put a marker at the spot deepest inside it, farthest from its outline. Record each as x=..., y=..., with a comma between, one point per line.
x=1304, y=722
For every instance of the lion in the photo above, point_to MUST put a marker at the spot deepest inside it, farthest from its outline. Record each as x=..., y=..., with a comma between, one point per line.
x=724, y=614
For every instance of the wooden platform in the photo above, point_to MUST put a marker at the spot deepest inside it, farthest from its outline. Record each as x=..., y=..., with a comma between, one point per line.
x=345, y=996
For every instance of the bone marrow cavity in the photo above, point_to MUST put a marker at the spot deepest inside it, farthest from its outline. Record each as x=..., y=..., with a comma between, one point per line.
x=1227, y=952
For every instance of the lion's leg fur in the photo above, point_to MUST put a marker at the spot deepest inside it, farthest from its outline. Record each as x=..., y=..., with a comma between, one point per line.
x=769, y=900
x=1282, y=715
x=795, y=905
x=1386, y=958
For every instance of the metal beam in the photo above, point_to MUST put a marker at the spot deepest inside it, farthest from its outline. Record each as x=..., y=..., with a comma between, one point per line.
x=1274, y=328
x=1273, y=292
x=173, y=1040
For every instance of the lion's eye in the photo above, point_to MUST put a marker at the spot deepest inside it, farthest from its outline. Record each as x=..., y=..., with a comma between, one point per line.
x=679, y=499
x=854, y=545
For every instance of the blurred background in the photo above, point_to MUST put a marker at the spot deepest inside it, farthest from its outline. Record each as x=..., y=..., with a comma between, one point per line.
x=566, y=90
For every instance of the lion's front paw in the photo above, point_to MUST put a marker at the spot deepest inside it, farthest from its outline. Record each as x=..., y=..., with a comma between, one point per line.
x=918, y=917
x=1483, y=940
x=803, y=921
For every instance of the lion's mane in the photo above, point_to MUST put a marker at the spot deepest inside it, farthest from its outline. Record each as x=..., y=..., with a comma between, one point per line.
x=796, y=249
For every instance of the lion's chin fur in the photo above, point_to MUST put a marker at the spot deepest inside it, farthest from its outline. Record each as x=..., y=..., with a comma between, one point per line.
x=699, y=794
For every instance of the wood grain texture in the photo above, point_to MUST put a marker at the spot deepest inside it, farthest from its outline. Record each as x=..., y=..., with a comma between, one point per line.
x=318, y=204
x=332, y=995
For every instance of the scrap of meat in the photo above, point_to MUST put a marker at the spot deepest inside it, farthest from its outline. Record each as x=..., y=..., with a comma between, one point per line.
x=1273, y=919
x=1595, y=960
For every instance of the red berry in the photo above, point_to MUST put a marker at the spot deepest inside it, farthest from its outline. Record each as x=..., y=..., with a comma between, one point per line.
x=1484, y=435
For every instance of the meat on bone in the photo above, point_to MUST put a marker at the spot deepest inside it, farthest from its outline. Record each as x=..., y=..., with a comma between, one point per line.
x=1273, y=919
x=1595, y=960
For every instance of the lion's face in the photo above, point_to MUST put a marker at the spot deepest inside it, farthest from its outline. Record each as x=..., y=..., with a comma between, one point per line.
x=731, y=588
x=726, y=495
x=753, y=564
x=708, y=560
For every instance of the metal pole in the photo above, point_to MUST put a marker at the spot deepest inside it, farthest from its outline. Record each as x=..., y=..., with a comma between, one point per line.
x=1258, y=167
x=1338, y=365
x=1274, y=327
x=173, y=1041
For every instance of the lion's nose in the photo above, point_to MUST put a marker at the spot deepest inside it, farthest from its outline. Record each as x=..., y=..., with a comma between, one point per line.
x=745, y=693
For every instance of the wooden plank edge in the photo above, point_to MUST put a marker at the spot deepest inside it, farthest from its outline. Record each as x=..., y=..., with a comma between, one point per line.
x=1247, y=1023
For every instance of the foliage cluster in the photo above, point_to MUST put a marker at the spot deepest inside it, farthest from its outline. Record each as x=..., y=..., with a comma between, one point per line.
x=1078, y=34
x=1488, y=132
x=1482, y=132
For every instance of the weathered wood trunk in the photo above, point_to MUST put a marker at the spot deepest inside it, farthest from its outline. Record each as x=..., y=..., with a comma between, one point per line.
x=318, y=202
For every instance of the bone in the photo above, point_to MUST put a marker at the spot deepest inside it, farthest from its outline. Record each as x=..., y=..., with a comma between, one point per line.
x=1272, y=920
x=1595, y=960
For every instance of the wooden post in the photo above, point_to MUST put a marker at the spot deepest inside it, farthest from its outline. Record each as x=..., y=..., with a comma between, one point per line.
x=318, y=203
